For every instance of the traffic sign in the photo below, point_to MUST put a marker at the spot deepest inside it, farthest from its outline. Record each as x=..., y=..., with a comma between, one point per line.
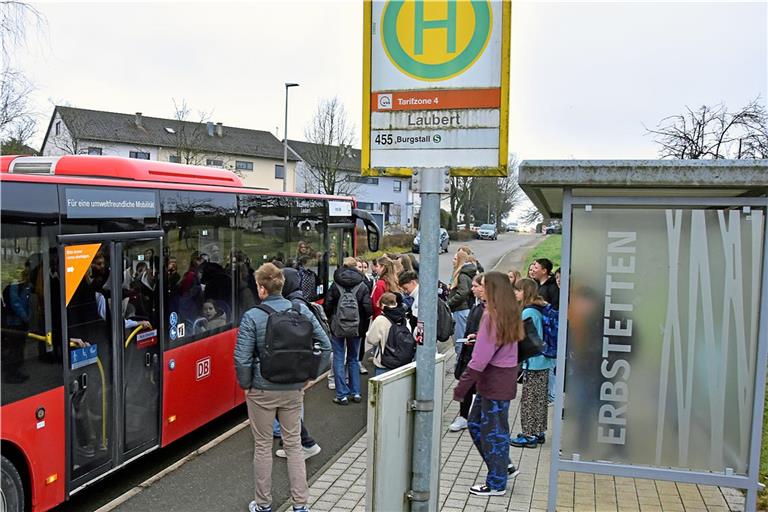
x=436, y=86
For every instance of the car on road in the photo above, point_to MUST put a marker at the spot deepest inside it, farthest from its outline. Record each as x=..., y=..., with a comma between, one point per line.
x=487, y=232
x=554, y=229
x=445, y=241
x=512, y=226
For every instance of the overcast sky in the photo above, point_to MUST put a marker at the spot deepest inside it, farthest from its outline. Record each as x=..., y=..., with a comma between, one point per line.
x=585, y=77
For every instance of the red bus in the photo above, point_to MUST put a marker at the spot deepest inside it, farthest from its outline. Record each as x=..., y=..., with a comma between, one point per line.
x=123, y=282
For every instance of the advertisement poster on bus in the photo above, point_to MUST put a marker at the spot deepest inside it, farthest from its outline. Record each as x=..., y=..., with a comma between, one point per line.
x=436, y=87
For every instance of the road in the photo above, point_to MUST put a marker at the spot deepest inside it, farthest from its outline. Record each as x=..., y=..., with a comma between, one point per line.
x=221, y=478
x=488, y=252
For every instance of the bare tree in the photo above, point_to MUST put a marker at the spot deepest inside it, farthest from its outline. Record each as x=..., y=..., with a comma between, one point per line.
x=17, y=117
x=188, y=135
x=15, y=104
x=714, y=132
x=332, y=139
x=14, y=18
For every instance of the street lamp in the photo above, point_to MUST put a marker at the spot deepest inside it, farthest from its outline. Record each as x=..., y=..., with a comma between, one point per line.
x=285, y=138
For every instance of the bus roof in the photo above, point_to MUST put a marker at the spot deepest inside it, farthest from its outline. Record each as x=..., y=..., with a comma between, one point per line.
x=143, y=173
x=120, y=168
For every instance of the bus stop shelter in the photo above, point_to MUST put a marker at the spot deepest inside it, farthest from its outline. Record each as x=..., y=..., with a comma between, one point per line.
x=662, y=344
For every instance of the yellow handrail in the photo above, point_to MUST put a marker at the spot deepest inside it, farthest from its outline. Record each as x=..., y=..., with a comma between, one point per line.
x=133, y=335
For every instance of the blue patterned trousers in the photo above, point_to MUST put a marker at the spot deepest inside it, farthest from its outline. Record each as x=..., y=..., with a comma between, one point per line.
x=488, y=425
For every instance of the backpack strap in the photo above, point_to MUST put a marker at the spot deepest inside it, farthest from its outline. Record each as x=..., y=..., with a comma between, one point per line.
x=268, y=310
x=296, y=306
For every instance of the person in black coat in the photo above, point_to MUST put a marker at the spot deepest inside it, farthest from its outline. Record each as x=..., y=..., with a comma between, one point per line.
x=473, y=325
x=346, y=347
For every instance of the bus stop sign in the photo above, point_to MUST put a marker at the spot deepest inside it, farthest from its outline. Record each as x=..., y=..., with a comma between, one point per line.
x=436, y=87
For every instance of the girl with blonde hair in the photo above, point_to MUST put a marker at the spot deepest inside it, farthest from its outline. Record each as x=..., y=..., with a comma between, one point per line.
x=460, y=299
x=387, y=282
x=493, y=370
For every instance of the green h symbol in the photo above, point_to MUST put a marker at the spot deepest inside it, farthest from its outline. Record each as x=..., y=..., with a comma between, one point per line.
x=421, y=25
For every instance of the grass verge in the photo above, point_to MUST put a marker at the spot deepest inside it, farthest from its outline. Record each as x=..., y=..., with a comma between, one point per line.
x=549, y=248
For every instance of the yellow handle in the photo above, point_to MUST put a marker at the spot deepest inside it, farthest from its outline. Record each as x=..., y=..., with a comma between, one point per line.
x=130, y=337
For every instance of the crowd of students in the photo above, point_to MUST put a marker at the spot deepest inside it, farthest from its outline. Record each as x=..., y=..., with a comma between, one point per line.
x=371, y=310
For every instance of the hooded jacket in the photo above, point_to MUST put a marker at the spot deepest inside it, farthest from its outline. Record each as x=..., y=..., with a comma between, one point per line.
x=460, y=297
x=348, y=278
x=550, y=292
x=379, y=331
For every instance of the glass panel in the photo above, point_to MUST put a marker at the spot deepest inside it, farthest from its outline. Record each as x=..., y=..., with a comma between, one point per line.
x=141, y=344
x=287, y=232
x=31, y=361
x=199, y=240
x=87, y=293
x=662, y=336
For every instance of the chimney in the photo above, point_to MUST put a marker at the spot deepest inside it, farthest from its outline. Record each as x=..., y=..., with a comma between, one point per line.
x=219, y=129
x=138, y=119
x=209, y=126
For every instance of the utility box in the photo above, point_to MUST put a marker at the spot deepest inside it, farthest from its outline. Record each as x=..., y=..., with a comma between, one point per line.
x=662, y=342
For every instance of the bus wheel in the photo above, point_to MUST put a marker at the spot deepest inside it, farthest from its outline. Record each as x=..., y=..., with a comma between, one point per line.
x=12, y=495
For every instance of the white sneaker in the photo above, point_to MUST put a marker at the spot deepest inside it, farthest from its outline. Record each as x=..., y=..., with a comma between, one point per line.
x=331, y=384
x=363, y=370
x=458, y=424
x=308, y=452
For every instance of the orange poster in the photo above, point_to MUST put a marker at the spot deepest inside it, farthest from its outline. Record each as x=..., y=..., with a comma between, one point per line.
x=77, y=261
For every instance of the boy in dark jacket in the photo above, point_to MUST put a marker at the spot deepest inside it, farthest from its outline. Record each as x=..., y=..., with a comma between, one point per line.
x=348, y=305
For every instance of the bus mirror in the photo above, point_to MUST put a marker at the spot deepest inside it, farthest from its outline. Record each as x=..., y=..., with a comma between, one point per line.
x=370, y=227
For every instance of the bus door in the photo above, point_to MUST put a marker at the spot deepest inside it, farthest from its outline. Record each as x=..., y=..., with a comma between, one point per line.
x=111, y=314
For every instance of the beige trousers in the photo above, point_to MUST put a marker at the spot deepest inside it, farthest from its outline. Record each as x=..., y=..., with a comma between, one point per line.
x=263, y=406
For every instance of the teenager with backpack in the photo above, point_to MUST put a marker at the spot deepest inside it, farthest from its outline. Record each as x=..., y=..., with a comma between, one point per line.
x=386, y=282
x=493, y=370
x=292, y=292
x=347, y=305
x=280, y=347
x=533, y=404
x=390, y=336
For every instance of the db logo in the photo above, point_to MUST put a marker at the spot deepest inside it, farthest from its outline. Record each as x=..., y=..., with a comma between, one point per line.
x=203, y=368
x=385, y=101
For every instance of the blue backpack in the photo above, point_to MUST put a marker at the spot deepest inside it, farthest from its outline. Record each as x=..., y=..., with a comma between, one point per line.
x=550, y=320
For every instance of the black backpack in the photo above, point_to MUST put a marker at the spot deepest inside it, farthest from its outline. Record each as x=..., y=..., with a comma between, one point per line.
x=445, y=322
x=400, y=347
x=290, y=355
x=346, y=319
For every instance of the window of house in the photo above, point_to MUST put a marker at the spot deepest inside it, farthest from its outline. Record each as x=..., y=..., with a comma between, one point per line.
x=279, y=172
x=241, y=165
x=212, y=162
x=363, y=179
x=365, y=206
x=141, y=155
x=94, y=151
x=397, y=185
x=58, y=127
x=176, y=159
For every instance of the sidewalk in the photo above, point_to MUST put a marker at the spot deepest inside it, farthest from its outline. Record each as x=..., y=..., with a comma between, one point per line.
x=341, y=487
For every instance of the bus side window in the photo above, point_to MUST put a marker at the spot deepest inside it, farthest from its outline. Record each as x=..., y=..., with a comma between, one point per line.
x=31, y=360
x=198, y=267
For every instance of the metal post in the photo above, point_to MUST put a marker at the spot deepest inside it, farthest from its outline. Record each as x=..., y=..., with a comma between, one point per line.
x=562, y=350
x=285, y=137
x=430, y=183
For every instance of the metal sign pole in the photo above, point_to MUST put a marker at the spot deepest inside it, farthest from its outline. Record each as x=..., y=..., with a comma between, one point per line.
x=430, y=183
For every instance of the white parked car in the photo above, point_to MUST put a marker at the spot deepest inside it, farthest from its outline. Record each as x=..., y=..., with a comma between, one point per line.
x=487, y=232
